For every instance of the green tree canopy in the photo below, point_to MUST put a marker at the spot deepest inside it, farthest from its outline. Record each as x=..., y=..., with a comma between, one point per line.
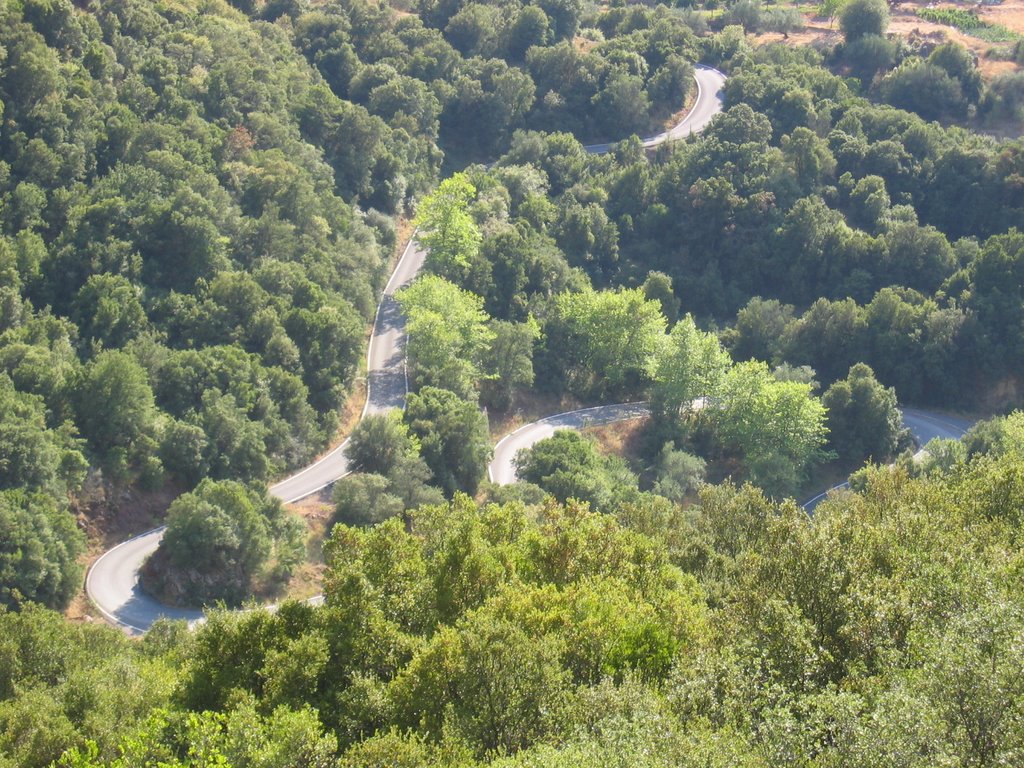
x=690, y=366
x=568, y=466
x=604, y=341
x=863, y=420
x=453, y=437
x=778, y=427
x=379, y=443
x=859, y=18
x=219, y=539
x=39, y=548
x=449, y=335
x=447, y=229
x=363, y=499
x=32, y=456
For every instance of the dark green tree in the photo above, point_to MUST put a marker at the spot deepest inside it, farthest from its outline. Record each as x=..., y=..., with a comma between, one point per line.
x=568, y=466
x=39, y=549
x=219, y=539
x=379, y=443
x=859, y=18
x=453, y=437
x=863, y=420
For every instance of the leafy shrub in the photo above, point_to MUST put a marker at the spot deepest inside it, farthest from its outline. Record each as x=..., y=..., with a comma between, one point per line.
x=220, y=538
x=39, y=549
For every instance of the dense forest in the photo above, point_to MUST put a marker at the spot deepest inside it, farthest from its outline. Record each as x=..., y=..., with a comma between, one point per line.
x=885, y=631
x=199, y=205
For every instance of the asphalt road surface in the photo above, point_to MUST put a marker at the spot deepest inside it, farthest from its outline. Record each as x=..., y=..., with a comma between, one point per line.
x=709, y=103
x=113, y=585
x=924, y=426
x=112, y=582
x=502, y=471
x=385, y=379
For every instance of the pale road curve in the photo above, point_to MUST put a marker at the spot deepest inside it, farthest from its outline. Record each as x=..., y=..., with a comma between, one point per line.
x=113, y=580
x=502, y=470
x=924, y=426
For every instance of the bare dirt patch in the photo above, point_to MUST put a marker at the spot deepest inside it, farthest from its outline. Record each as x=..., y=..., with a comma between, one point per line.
x=815, y=31
x=307, y=580
x=1010, y=14
x=905, y=22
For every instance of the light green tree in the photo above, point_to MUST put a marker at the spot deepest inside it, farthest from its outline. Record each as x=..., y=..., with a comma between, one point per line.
x=447, y=229
x=690, y=366
x=777, y=426
x=449, y=335
x=605, y=340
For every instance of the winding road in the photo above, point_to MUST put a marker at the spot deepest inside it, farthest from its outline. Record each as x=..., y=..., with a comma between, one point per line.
x=502, y=470
x=923, y=426
x=708, y=104
x=113, y=580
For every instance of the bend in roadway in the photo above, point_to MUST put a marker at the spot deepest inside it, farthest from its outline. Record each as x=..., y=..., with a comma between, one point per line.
x=502, y=470
x=709, y=103
x=113, y=581
x=923, y=425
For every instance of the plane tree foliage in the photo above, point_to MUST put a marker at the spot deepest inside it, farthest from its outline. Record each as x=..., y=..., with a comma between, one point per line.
x=778, y=427
x=448, y=332
x=602, y=342
x=447, y=230
x=689, y=371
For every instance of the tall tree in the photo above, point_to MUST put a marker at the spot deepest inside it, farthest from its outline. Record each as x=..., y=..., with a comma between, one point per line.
x=777, y=426
x=447, y=229
x=453, y=435
x=859, y=18
x=449, y=335
x=863, y=420
x=510, y=360
x=690, y=366
x=114, y=403
x=604, y=341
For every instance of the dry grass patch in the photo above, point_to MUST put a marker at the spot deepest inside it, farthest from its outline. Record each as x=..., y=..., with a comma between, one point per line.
x=905, y=22
x=623, y=439
x=528, y=407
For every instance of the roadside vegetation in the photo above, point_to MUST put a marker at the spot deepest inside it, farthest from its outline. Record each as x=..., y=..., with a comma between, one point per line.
x=198, y=204
x=555, y=635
